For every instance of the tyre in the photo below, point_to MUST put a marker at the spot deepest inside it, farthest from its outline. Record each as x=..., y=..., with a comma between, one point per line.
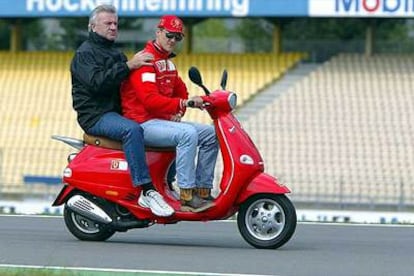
x=267, y=221
x=85, y=229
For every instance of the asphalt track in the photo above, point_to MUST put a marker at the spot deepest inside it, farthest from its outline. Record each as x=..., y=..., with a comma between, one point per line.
x=213, y=247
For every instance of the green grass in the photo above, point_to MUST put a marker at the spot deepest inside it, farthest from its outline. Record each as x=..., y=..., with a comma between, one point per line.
x=36, y=272
x=10, y=271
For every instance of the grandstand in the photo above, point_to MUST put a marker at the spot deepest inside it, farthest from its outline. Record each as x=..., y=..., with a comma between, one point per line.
x=341, y=135
x=344, y=134
x=35, y=103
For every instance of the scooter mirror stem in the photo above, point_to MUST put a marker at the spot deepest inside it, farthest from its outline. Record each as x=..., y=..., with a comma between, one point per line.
x=223, y=82
x=195, y=77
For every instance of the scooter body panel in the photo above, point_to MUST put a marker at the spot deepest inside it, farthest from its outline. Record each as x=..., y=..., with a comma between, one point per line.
x=108, y=167
x=104, y=173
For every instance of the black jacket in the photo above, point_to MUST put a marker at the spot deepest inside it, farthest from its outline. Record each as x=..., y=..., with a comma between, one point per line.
x=97, y=70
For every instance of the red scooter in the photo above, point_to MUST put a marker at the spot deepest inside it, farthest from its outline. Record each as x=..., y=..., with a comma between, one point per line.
x=100, y=200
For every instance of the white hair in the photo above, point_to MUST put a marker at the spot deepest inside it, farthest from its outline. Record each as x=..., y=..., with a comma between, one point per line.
x=98, y=10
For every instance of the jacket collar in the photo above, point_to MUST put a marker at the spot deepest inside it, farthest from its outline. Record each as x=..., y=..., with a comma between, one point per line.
x=100, y=40
x=160, y=51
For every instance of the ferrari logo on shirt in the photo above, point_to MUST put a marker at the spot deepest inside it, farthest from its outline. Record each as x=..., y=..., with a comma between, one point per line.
x=165, y=65
x=161, y=65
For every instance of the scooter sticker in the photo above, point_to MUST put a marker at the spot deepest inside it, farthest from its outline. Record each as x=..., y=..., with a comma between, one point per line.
x=119, y=165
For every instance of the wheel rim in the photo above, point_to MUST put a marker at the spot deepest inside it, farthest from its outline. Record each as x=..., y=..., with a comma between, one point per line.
x=84, y=224
x=265, y=219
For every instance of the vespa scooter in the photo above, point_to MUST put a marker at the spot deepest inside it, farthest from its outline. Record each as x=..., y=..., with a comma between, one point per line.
x=99, y=198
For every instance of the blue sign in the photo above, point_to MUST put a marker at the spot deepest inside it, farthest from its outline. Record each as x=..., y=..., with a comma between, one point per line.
x=212, y=8
x=154, y=8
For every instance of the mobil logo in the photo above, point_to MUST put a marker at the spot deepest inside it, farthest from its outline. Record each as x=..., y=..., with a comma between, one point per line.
x=377, y=7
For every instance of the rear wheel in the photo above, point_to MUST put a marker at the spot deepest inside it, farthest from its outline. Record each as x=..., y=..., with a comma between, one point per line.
x=267, y=221
x=84, y=228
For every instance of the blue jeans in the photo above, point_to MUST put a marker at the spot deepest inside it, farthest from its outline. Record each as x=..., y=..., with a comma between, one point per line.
x=130, y=134
x=186, y=137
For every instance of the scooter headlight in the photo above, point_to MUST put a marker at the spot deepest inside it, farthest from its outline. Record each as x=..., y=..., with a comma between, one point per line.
x=232, y=99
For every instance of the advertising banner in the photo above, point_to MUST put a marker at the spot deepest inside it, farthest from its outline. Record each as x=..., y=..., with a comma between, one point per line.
x=212, y=8
x=153, y=8
x=361, y=8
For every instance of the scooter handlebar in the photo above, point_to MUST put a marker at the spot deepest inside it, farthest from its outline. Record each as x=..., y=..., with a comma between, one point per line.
x=191, y=103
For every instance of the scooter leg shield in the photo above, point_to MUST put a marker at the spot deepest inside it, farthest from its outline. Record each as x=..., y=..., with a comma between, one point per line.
x=263, y=183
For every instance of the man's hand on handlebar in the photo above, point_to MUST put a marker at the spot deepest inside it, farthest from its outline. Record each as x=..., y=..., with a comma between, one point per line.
x=195, y=101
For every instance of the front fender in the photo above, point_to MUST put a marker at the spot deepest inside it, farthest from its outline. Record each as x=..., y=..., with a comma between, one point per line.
x=262, y=184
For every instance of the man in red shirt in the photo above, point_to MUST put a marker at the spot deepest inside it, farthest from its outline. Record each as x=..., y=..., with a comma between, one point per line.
x=156, y=97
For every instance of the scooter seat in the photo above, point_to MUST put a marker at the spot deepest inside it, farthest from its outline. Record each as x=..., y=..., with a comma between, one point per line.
x=108, y=143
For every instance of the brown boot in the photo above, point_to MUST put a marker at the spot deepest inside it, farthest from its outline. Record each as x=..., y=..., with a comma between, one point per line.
x=192, y=203
x=204, y=193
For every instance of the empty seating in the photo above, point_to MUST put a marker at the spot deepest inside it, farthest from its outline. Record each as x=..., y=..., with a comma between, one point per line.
x=345, y=133
x=35, y=103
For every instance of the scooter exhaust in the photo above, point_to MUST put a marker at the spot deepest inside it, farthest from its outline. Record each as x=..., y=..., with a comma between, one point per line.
x=87, y=208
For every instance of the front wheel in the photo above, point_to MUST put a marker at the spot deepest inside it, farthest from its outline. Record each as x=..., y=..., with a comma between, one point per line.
x=267, y=221
x=85, y=229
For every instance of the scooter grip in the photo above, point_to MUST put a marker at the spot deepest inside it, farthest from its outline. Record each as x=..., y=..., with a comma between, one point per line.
x=190, y=103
